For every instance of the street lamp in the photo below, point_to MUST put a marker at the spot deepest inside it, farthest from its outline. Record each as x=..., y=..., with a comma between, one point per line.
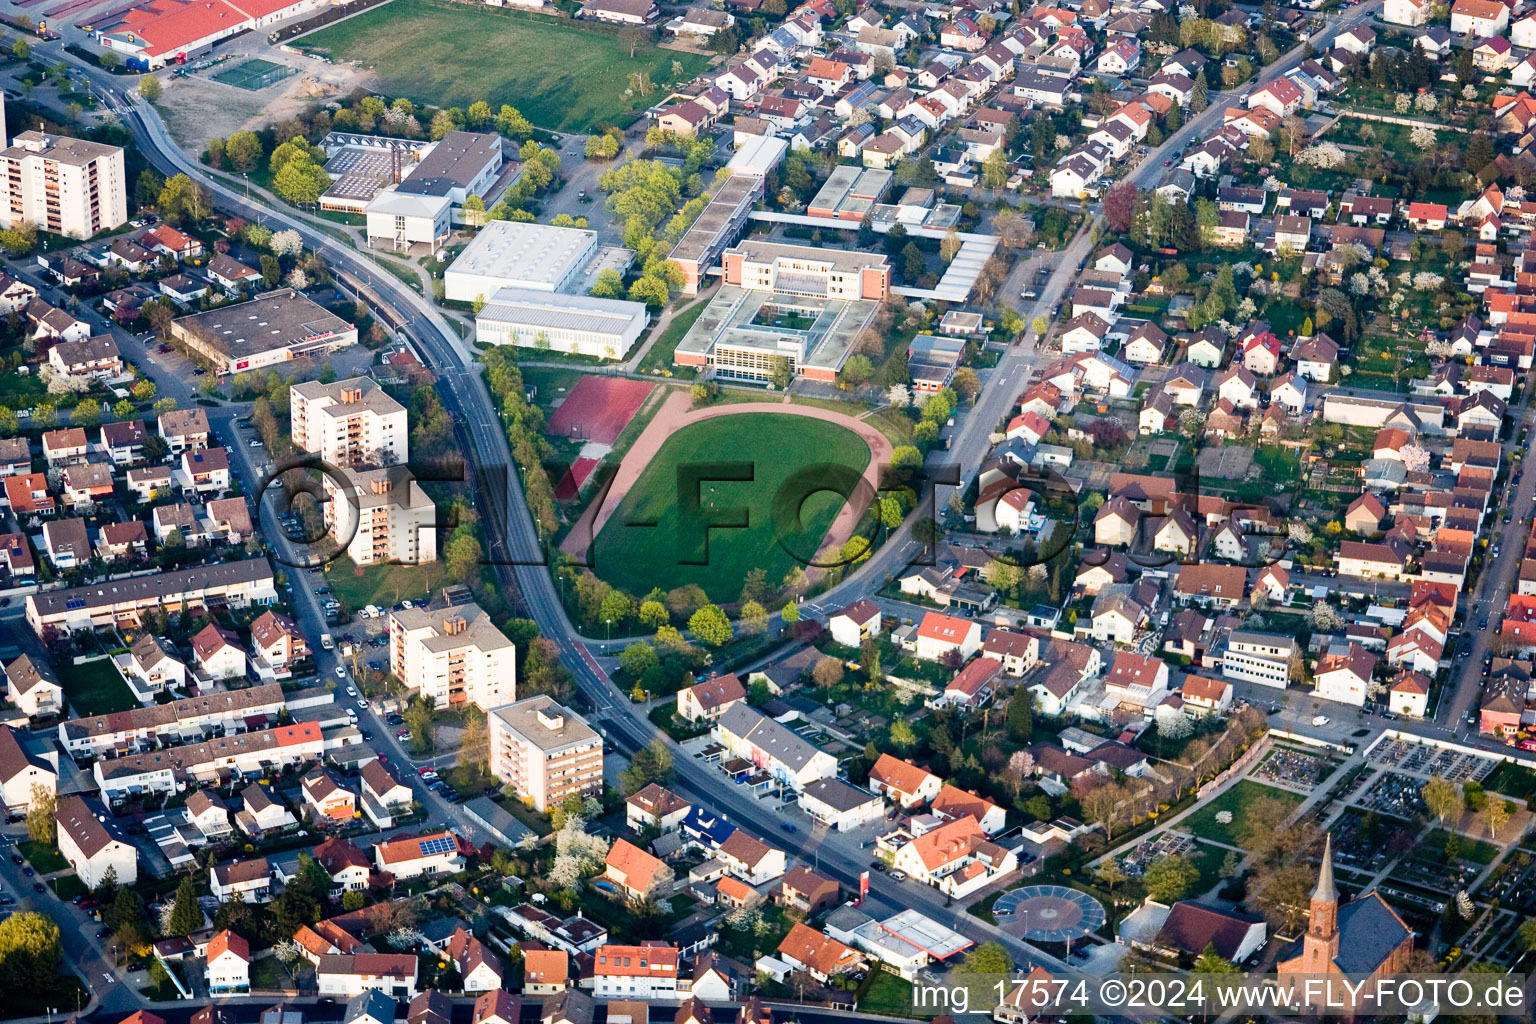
x=607, y=630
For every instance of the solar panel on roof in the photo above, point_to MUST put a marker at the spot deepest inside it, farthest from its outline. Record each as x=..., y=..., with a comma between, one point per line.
x=435, y=846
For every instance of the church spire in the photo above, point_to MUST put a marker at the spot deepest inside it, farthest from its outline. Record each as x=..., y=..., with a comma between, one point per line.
x=1325, y=891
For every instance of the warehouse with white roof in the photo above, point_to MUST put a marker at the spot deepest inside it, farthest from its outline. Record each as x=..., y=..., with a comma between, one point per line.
x=604, y=328
x=521, y=255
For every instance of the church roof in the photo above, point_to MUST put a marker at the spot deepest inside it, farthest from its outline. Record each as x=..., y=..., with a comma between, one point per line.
x=1326, y=891
x=1369, y=931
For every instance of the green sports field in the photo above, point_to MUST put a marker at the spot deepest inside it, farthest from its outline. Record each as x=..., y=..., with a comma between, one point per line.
x=643, y=545
x=564, y=75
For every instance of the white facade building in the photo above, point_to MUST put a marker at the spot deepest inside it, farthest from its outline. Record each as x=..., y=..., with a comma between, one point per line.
x=62, y=185
x=453, y=656
x=349, y=423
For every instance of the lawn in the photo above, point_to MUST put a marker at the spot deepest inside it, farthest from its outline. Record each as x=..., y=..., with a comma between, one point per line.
x=67, y=887
x=560, y=74
x=885, y=993
x=45, y=859
x=1203, y=822
x=95, y=688
x=268, y=974
x=383, y=585
x=1511, y=779
x=644, y=545
x=659, y=356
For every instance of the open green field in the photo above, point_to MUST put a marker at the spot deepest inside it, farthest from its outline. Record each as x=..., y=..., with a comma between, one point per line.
x=95, y=688
x=382, y=585
x=1203, y=822
x=778, y=449
x=564, y=75
x=44, y=857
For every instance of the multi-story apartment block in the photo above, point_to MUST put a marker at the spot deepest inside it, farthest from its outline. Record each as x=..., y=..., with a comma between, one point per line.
x=453, y=656
x=545, y=752
x=349, y=423
x=381, y=515
x=1256, y=657
x=66, y=186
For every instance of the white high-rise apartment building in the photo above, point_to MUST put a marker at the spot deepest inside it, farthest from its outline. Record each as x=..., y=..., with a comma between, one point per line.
x=62, y=185
x=381, y=515
x=453, y=656
x=544, y=751
x=349, y=423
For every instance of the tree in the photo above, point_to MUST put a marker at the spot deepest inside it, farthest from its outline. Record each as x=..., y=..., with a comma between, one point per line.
x=1170, y=878
x=1021, y=715
x=609, y=285
x=967, y=383
x=474, y=211
x=19, y=240
x=710, y=626
x=463, y=554
x=1497, y=815
x=149, y=86
x=42, y=815
x=994, y=170
x=1443, y=799
x=1526, y=935
x=418, y=719
x=602, y=147
x=1199, y=97
x=1282, y=894
x=474, y=742
x=87, y=413
x=301, y=181
x=827, y=673
x=1211, y=962
x=857, y=370
x=652, y=763
x=1120, y=206
x=31, y=952
x=912, y=261
x=638, y=658
x=780, y=372
x=1109, y=874
x=753, y=618
x=1102, y=806
x=186, y=915
x=902, y=736
x=244, y=151
x=989, y=958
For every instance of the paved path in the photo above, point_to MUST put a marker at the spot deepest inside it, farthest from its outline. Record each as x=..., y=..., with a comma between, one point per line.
x=676, y=413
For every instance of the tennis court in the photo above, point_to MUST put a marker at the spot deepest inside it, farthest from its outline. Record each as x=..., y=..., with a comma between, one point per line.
x=254, y=75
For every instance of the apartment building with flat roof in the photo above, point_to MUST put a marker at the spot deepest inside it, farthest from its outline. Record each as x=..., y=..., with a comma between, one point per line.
x=453, y=656
x=66, y=186
x=381, y=515
x=545, y=752
x=351, y=422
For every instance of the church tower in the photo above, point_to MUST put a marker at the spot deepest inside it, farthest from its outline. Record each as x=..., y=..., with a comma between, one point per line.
x=1321, y=944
